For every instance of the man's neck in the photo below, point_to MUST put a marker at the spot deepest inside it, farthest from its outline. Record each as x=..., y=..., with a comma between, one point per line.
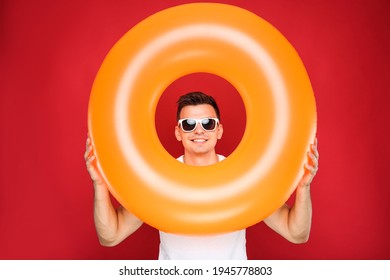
x=201, y=159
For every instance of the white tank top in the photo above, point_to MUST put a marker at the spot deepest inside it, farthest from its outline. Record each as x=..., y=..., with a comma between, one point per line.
x=228, y=246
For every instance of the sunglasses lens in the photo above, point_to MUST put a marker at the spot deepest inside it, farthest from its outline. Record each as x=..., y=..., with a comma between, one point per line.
x=188, y=124
x=209, y=124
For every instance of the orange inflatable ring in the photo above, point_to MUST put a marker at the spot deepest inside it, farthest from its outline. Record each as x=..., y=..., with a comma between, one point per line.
x=259, y=176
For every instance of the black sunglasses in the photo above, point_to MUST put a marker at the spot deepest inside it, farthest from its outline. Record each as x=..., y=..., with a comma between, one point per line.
x=189, y=124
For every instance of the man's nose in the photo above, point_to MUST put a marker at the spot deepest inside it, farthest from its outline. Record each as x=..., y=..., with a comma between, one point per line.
x=199, y=129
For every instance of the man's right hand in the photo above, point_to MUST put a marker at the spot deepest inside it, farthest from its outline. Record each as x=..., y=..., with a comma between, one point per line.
x=90, y=161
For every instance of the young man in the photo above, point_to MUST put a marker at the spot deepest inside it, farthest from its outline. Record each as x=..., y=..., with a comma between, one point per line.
x=199, y=129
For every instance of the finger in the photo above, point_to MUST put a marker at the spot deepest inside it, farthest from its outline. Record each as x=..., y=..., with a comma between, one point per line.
x=87, y=152
x=87, y=145
x=311, y=169
x=88, y=148
x=89, y=161
x=313, y=158
x=315, y=151
x=314, y=148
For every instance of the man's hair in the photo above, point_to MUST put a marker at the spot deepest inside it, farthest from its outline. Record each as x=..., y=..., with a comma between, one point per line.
x=196, y=98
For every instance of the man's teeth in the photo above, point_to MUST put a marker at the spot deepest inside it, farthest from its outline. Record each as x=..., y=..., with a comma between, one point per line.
x=199, y=140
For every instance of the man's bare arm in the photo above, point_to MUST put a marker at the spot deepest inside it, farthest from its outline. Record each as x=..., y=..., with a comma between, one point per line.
x=112, y=225
x=294, y=223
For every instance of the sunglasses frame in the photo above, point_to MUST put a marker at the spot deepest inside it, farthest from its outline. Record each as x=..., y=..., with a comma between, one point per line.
x=197, y=121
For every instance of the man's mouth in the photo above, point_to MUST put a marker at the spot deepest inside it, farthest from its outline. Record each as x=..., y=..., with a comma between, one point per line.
x=199, y=140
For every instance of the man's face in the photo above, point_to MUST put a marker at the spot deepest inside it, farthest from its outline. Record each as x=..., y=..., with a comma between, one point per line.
x=199, y=141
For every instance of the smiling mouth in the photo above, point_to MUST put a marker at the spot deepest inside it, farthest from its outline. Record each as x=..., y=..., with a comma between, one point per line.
x=199, y=140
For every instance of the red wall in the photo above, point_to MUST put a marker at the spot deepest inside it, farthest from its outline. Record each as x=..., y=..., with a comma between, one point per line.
x=50, y=53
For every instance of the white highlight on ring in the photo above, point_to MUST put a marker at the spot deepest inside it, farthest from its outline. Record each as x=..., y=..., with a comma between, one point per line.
x=262, y=58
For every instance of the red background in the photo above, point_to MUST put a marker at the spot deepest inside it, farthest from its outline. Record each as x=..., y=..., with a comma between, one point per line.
x=230, y=104
x=50, y=53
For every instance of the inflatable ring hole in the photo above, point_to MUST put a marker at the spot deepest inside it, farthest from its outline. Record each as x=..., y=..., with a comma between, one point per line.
x=230, y=103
